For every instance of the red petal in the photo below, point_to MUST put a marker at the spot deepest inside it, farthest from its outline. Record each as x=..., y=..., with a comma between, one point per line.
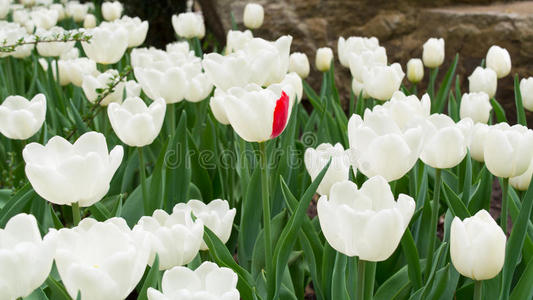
x=281, y=114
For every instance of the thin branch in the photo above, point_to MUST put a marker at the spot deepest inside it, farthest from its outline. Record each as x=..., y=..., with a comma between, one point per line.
x=69, y=36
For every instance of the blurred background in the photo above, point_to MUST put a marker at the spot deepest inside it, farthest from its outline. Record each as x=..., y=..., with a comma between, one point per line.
x=469, y=28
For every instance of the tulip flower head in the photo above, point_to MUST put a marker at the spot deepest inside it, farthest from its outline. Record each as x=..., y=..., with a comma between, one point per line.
x=415, y=70
x=253, y=15
x=364, y=222
x=175, y=237
x=26, y=255
x=475, y=106
x=526, y=90
x=208, y=281
x=112, y=10
x=65, y=173
x=92, y=83
x=216, y=215
x=323, y=59
x=483, y=80
x=256, y=114
x=107, y=44
x=19, y=118
x=136, y=124
x=4, y=8
x=381, y=82
x=77, y=10
x=499, y=60
x=361, y=63
x=433, y=54
x=137, y=30
x=477, y=143
x=299, y=63
x=189, y=25
x=101, y=260
x=521, y=182
x=52, y=49
x=477, y=246
x=235, y=40
x=354, y=45
x=89, y=21
x=316, y=159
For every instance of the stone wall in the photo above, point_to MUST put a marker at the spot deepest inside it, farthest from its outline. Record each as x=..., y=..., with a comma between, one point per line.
x=402, y=27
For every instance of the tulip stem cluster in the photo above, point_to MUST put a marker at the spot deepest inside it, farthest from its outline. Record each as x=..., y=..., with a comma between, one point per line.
x=142, y=170
x=266, y=205
x=434, y=220
x=503, y=216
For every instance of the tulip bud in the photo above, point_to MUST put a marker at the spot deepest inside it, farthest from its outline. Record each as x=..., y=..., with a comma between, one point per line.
x=60, y=9
x=136, y=124
x=477, y=143
x=526, y=90
x=20, y=119
x=381, y=147
x=483, y=80
x=253, y=15
x=433, y=54
x=4, y=8
x=208, y=281
x=44, y=18
x=339, y=169
x=76, y=10
x=477, y=246
x=28, y=257
x=507, y=150
x=189, y=25
x=112, y=10
x=382, y=81
x=101, y=260
x=475, y=106
x=371, y=212
x=499, y=60
x=217, y=216
x=445, y=142
x=415, y=70
x=65, y=173
x=89, y=21
x=299, y=63
x=175, y=237
x=323, y=59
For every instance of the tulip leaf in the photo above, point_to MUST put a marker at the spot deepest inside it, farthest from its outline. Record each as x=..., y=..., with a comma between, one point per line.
x=467, y=183
x=55, y=219
x=481, y=198
x=523, y=289
x=38, y=294
x=258, y=256
x=250, y=223
x=151, y=279
x=78, y=120
x=223, y=258
x=453, y=108
x=288, y=236
x=338, y=281
x=157, y=185
x=178, y=172
x=17, y=203
x=395, y=286
x=445, y=86
x=455, y=204
x=439, y=285
x=498, y=110
x=413, y=261
x=99, y=212
x=313, y=97
x=520, y=112
x=58, y=291
x=515, y=242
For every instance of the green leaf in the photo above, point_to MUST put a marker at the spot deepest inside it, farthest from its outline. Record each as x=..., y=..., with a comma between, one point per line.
x=338, y=281
x=520, y=113
x=394, y=286
x=413, y=261
x=523, y=289
x=60, y=293
x=151, y=279
x=445, y=86
x=250, y=223
x=17, y=203
x=178, y=163
x=454, y=203
x=467, y=180
x=157, y=184
x=498, y=110
x=38, y=294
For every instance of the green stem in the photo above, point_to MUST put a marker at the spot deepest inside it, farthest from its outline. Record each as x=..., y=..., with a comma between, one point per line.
x=142, y=170
x=478, y=290
x=505, y=205
x=172, y=118
x=266, y=206
x=76, y=216
x=434, y=221
x=360, y=279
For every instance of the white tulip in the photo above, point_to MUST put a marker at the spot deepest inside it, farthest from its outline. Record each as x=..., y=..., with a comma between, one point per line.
x=382, y=81
x=475, y=106
x=268, y=61
x=189, y=25
x=236, y=40
x=433, y=54
x=253, y=15
x=227, y=71
x=216, y=215
x=11, y=33
x=89, y=21
x=132, y=88
x=101, y=260
x=20, y=119
x=408, y=111
x=292, y=85
x=175, y=238
x=256, y=114
x=136, y=124
x=21, y=16
x=526, y=90
x=77, y=69
x=54, y=49
x=477, y=143
x=44, y=18
x=178, y=48
x=112, y=10
x=477, y=246
x=26, y=258
x=483, y=80
x=499, y=60
x=299, y=63
x=364, y=222
x=445, y=142
x=507, y=149
x=521, y=182
x=208, y=281
x=4, y=8
x=60, y=9
x=381, y=147
x=76, y=10
x=323, y=59
x=91, y=83
x=355, y=45
x=415, y=70
x=107, y=45
x=358, y=88
x=316, y=159
x=170, y=84
x=65, y=173
x=361, y=63
x=137, y=30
